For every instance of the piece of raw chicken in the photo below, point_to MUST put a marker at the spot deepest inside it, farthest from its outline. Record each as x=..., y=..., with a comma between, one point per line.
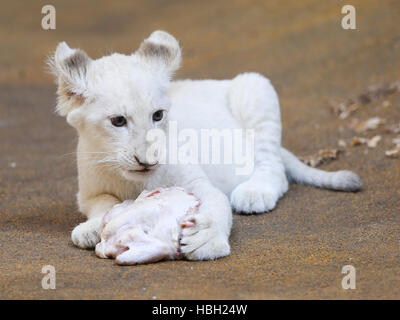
x=147, y=229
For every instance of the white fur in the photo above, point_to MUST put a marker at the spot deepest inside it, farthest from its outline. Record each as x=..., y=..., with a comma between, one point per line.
x=135, y=86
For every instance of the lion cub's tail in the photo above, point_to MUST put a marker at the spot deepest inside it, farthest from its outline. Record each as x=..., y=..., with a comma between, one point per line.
x=298, y=172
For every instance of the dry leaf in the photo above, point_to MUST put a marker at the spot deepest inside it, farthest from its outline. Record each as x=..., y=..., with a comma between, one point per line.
x=377, y=91
x=349, y=110
x=396, y=141
x=394, y=128
x=319, y=157
x=356, y=141
x=373, y=142
x=369, y=124
x=393, y=153
x=345, y=108
x=353, y=122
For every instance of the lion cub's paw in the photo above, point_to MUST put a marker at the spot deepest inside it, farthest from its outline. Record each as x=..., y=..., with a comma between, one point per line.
x=86, y=234
x=248, y=198
x=200, y=241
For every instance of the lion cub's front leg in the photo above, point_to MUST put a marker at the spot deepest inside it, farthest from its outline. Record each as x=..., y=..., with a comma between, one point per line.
x=205, y=235
x=86, y=234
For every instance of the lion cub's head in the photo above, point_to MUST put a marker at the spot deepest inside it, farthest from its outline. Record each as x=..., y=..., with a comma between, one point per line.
x=114, y=101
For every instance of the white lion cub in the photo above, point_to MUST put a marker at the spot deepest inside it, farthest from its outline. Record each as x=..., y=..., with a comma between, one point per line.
x=114, y=101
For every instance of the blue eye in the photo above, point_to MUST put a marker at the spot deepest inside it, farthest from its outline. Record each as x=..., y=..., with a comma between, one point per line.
x=119, y=121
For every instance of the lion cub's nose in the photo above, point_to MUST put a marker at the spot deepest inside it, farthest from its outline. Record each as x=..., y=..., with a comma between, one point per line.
x=144, y=164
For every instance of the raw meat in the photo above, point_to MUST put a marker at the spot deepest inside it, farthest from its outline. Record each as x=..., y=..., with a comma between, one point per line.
x=147, y=229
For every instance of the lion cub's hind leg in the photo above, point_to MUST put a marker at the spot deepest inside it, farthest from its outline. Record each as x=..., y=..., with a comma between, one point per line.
x=254, y=102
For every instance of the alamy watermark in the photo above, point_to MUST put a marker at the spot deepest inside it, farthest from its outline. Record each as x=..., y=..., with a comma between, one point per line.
x=49, y=18
x=349, y=280
x=349, y=20
x=49, y=280
x=202, y=146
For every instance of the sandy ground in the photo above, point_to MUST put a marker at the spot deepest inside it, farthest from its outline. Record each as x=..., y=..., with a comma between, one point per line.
x=296, y=251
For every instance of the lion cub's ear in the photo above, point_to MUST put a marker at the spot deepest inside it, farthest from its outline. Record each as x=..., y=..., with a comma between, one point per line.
x=70, y=68
x=162, y=49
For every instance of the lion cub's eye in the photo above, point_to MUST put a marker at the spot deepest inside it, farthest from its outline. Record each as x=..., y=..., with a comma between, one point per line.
x=158, y=115
x=119, y=121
